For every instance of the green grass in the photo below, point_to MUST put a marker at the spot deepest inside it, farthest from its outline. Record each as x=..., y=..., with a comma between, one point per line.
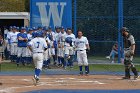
x=102, y=67
x=136, y=59
x=94, y=67
x=13, y=67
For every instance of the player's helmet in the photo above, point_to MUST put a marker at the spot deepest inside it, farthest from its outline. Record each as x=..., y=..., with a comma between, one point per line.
x=38, y=34
x=68, y=40
x=124, y=29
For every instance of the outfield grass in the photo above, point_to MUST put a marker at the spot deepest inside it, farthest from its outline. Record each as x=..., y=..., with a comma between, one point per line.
x=93, y=67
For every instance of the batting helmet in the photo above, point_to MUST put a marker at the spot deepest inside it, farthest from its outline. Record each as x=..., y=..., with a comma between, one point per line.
x=68, y=40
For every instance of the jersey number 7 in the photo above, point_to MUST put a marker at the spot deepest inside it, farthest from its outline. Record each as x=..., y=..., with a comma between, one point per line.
x=38, y=44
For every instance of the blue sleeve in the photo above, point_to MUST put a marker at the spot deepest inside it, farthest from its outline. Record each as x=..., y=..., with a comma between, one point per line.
x=18, y=35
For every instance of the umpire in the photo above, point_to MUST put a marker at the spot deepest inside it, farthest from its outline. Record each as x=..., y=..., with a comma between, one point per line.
x=129, y=49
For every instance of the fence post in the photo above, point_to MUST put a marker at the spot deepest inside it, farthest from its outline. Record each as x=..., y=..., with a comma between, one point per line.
x=75, y=17
x=120, y=25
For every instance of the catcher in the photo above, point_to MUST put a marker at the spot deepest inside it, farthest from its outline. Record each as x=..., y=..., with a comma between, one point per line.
x=129, y=49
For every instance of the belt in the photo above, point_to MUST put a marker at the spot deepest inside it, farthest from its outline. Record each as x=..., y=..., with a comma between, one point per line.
x=80, y=50
x=38, y=52
x=14, y=42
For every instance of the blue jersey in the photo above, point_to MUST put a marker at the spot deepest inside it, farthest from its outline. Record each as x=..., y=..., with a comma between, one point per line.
x=34, y=34
x=22, y=43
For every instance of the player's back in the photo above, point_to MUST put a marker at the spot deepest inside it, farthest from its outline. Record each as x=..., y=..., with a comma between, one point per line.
x=38, y=44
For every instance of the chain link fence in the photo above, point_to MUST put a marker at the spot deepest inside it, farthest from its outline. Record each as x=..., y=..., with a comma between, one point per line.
x=99, y=21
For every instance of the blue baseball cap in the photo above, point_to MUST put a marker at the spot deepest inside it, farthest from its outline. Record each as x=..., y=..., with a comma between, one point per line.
x=14, y=27
x=17, y=28
x=34, y=28
x=10, y=27
x=30, y=29
x=23, y=28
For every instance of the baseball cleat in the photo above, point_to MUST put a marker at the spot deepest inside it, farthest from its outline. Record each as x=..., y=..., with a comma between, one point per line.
x=86, y=73
x=35, y=80
x=125, y=77
x=81, y=73
x=136, y=77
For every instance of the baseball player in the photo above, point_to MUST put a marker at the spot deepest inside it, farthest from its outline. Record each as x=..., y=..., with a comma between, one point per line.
x=34, y=32
x=56, y=44
x=8, y=41
x=69, y=47
x=129, y=50
x=28, y=52
x=12, y=40
x=47, y=54
x=1, y=47
x=81, y=45
x=51, y=36
x=38, y=45
x=22, y=44
x=6, y=46
x=61, y=48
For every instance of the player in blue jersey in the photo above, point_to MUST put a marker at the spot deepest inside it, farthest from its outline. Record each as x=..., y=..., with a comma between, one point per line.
x=22, y=44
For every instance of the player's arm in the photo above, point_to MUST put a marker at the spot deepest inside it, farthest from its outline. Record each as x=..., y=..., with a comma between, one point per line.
x=19, y=37
x=87, y=44
x=29, y=45
x=132, y=47
x=45, y=45
x=30, y=48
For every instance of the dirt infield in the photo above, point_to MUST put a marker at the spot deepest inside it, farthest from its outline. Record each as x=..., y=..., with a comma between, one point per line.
x=16, y=84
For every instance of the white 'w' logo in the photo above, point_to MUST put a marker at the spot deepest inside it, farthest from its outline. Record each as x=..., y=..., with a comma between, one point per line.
x=53, y=11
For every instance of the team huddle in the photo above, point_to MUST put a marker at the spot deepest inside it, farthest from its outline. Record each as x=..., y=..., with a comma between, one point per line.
x=41, y=44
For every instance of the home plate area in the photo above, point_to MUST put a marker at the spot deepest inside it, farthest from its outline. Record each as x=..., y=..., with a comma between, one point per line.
x=18, y=84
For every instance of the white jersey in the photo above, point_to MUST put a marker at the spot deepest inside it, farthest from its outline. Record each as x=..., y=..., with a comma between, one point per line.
x=73, y=39
x=13, y=37
x=38, y=45
x=30, y=37
x=57, y=36
x=52, y=34
x=8, y=34
x=62, y=37
x=81, y=43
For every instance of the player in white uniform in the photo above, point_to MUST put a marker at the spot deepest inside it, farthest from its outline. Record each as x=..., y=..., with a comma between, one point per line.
x=69, y=47
x=8, y=42
x=60, y=51
x=28, y=52
x=47, y=54
x=56, y=43
x=81, y=44
x=12, y=39
x=51, y=36
x=38, y=45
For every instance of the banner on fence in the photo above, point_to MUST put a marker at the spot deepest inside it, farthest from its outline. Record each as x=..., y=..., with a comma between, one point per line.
x=51, y=13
